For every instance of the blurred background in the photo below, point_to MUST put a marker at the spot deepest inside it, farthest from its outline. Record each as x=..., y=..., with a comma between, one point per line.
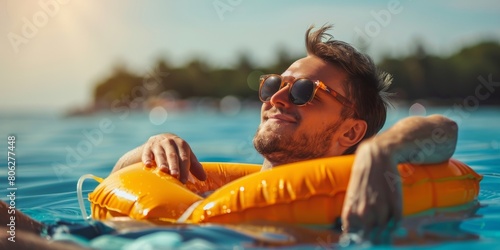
x=74, y=57
x=83, y=82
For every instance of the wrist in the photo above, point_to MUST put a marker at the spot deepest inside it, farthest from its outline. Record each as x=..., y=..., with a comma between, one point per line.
x=379, y=148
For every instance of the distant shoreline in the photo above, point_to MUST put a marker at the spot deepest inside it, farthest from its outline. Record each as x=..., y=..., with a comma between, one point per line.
x=214, y=104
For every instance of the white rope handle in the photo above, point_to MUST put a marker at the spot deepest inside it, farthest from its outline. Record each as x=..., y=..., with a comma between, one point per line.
x=79, y=192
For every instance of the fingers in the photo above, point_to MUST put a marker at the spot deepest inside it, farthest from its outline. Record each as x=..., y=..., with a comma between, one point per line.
x=172, y=155
x=397, y=215
x=159, y=159
x=170, y=151
x=373, y=204
x=376, y=230
x=185, y=159
x=197, y=169
x=147, y=155
x=189, y=163
x=358, y=215
x=348, y=217
x=353, y=228
x=380, y=233
x=368, y=218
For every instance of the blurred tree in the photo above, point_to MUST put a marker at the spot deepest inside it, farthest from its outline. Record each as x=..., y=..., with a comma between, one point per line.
x=118, y=89
x=417, y=76
x=422, y=76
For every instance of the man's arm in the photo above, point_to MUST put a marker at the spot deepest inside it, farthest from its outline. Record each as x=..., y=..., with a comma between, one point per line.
x=129, y=158
x=170, y=153
x=373, y=200
x=22, y=221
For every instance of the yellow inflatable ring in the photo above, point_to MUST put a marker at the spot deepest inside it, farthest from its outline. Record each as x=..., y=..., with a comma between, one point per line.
x=310, y=192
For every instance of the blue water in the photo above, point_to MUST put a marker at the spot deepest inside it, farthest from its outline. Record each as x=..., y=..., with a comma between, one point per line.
x=52, y=152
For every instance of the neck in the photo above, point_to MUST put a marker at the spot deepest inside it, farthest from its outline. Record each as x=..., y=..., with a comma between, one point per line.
x=266, y=165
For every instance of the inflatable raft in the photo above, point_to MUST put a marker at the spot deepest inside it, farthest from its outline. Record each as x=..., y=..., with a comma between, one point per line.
x=307, y=193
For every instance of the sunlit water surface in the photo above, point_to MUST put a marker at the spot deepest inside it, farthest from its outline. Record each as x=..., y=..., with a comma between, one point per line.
x=48, y=167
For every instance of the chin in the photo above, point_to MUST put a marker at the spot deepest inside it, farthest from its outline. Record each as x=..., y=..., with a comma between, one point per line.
x=275, y=130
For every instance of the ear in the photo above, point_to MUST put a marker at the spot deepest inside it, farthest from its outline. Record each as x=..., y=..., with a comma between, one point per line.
x=354, y=131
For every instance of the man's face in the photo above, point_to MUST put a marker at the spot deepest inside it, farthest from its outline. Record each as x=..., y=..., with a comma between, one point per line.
x=290, y=133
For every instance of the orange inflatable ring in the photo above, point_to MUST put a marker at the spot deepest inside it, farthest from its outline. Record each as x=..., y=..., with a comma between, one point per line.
x=310, y=192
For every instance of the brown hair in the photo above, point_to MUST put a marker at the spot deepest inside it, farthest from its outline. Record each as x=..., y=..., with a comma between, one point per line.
x=365, y=86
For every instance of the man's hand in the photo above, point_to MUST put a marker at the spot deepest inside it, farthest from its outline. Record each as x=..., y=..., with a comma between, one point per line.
x=373, y=204
x=170, y=153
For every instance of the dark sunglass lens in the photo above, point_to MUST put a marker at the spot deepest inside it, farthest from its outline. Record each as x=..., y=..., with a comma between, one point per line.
x=301, y=92
x=270, y=86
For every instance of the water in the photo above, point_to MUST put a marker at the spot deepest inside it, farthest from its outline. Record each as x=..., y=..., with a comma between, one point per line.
x=53, y=152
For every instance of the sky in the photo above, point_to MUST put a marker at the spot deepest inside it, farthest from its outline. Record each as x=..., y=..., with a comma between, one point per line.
x=52, y=52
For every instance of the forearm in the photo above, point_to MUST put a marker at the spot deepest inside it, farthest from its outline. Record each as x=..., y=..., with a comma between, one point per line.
x=131, y=157
x=374, y=194
x=419, y=140
x=21, y=221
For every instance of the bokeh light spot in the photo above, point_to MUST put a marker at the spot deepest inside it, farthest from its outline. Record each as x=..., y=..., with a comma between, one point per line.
x=158, y=115
x=230, y=105
x=253, y=80
x=417, y=109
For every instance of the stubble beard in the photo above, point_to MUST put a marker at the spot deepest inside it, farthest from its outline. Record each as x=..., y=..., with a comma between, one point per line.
x=281, y=148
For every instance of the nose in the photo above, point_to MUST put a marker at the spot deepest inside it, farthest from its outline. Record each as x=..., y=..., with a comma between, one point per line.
x=280, y=98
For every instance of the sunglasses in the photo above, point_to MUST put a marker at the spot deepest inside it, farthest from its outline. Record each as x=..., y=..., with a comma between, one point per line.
x=300, y=92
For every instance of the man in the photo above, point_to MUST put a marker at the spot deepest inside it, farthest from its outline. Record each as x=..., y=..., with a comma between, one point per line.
x=329, y=103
